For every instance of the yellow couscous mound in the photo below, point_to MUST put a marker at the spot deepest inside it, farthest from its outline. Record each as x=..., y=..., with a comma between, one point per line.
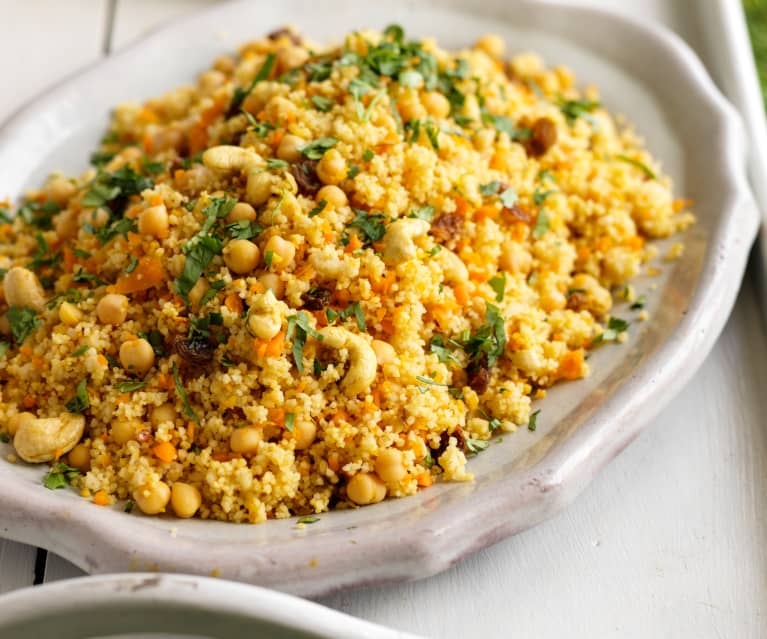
x=318, y=277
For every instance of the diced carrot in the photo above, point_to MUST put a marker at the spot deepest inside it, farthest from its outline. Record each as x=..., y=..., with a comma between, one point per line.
x=486, y=211
x=301, y=386
x=275, y=345
x=101, y=499
x=571, y=365
x=233, y=303
x=635, y=242
x=38, y=362
x=156, y=200
x=353, y=245
x=103, y=361
x=424, y=479
x=260, y=346
x=277, y=416
x=222, y=457
x=190, y=430
x=68, y=259
x=584, y=253
x=146, y=142
x=334, y=462
x=198, y=138
x=148, y=274
x=165, y=452
x=461, y=205
x=342, y=296
x=26, y=351
x=461, y=295
x=178, y=174
x=604, y=243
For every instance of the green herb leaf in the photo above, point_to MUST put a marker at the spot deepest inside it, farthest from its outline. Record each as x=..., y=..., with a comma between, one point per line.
x=152, y=167
x=438, y=346
x=505, y=125
x=490, y=339
x=541, y=224
x=244, y=229
x=424, y=213
x=308, y=520
x=39, y=215
x=649, y=173
x=491, y=188
x=539, y=197
x=130, y=386
x=132, y=264
x=353, y=171
x=476, y=445
x=81, y=401
x=274, y=163
x=188, y=410
x=368, y=155
x=290, y=421
x=4, y=348
x=128, y=506
x=322, y=103
x=81, y=351
x=60, y=476
x=574, y=109
x=639, y=304
x=23, y=321
x=509, y=198
x=532, y=424
x=498, y=284
x=319, y=208
x=317, y=148
x=573, y=291
x=370, y=224
x=240, y=94
x=298, y=328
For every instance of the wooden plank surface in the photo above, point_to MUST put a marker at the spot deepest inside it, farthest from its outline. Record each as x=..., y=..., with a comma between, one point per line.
x=667, y=542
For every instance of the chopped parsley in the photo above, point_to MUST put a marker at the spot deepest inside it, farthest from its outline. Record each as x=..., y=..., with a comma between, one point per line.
x=372, y=225
x=319, y=208
x=423, y=213
x=130, y=386
x=81, y=401
x=128, y=506
x=491, y=188
x=456, y=393
x=81, y=351
x=574, y=109
x=615, y=326
x=532, y=424
x=39, y=215
x=438, y=346
x=152, y=167
x=240, y=94
x=368, y=155
x=107, y=187
x=639, y=304
x=322, y=103
x=498, y=284
x=121, y=226
x=352, y=172
x=648, y=172
x=244, y=229
x=23, y=321
x=290, y=421
x=274, y=163
x=353, y=309
x=308, y=520
x=268, y=257
x=541, y=224
x=508, y=198
x=503, y=124
x=316, y=149
x=298, y=329
x=490, y=339
x=539, y=197
x=475, y=446
x=188, y=410
x=60, y=476
x=132, y=264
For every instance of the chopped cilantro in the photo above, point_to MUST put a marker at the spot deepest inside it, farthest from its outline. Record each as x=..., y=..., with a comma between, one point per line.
x=274, y=163
x=298, y=329
x=498, y=284
x=353, y=172
x=574, y=109
x=423, y=213
x=368, y=155
x=23, y=321
x=505, y=125
x=491, y=188
x=541, y=224
x=188, y=410
x=152, y=167
x=532, y=424
x=322, y=103
x=490, y=339
x=130, y=386
x=268, y=257
x=316, y=149
x=60, y=476
x=539, y=197
x=508, y=198
x=128, y=506
x=81, y=401
x=81, y=351
x=444, y=354
x=370, y=224
x=615, y=326
x=240, y=94
x=308, y=520
x=39, y=215
x=319, y=208
x=260, y=128
x=649, y=173
x=132, y=264
x=290, y=421
x=476, y=446
x=639, y=304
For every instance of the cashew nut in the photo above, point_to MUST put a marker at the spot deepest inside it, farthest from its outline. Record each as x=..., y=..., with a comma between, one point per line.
x=362, y=358
x=265, y=315
x=453, y=268
x=22, y=288
x=398, y=240
x=235, y=158
x=43, y=439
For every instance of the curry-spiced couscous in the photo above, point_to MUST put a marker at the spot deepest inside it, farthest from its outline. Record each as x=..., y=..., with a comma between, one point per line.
x=319, y=277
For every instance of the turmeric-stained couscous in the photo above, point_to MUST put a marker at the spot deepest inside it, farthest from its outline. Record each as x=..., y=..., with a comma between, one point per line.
x=319, y=277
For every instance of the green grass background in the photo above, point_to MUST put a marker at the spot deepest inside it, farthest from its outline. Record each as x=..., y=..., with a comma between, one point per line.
x=756, y=16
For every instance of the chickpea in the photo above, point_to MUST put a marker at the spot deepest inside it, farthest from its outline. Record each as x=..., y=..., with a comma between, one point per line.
x=211, y=80
x=241, y=256
x=80, y=458
x=289, y=148
x=282, y=252
x=305, y=433
x=290, y=57
x=185, y=499
x=154, y=221
x=280, y=109
x=436, y=104
x=15, y=421
x=152, y=498
x=390, y=466
x=69, y=314
x=245, y=440
x=124, y=430
x=240, y=212
x=491, y=44
x=161, y=414
x=331, y=168
x=112, y=308
x=365, y=488
x=22, y=288
x=259, y=188
x=198, y=290
x=384, y=351
x=60, y=190
x=272, y=281
x=137, y=355
x=225, y=64
x=333, y=195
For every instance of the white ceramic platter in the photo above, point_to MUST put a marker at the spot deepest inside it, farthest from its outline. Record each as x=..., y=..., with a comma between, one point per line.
x=644, y=72
x=141, y=605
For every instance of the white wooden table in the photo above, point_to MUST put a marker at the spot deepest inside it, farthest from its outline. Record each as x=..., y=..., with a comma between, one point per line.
x=668, y=542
